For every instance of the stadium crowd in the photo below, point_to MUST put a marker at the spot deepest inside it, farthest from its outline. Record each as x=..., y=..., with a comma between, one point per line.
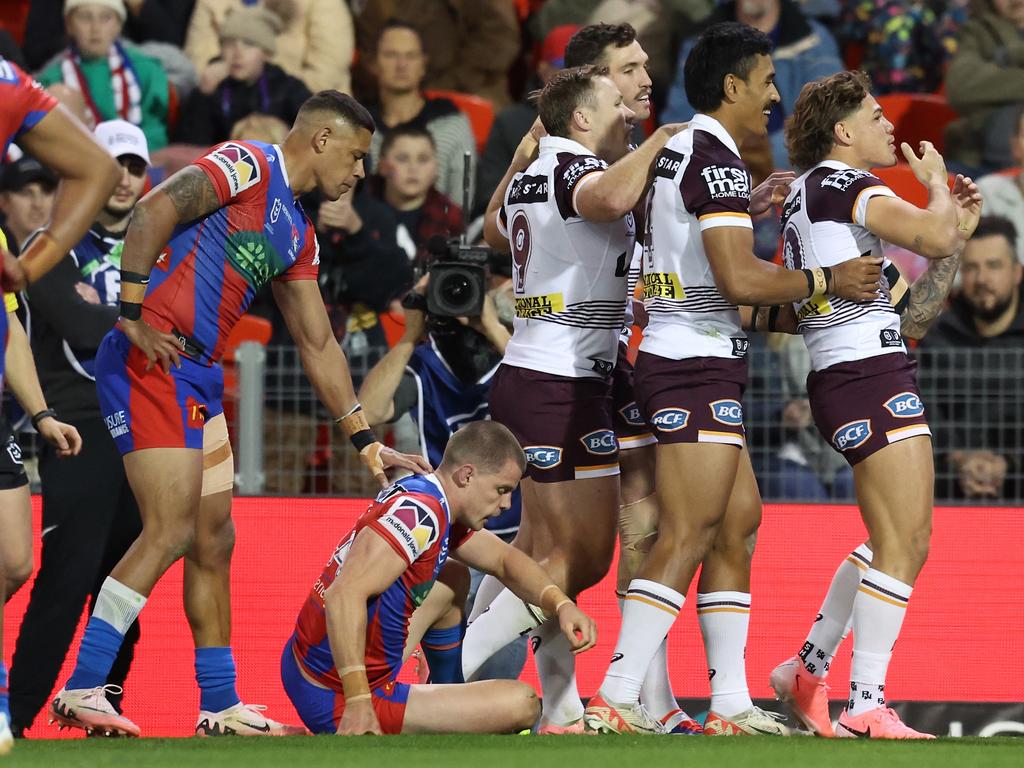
x=160, y=141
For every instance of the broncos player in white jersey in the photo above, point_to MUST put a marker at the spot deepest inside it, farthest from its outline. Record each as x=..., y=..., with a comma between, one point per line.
x=567, y=218
x=690, y=374
x=862, y=388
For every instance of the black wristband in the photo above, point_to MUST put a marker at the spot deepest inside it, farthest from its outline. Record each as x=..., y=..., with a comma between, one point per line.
x=810, y=281
x=753, y=318
x=363, y=438
x=127, y=276
x=828, y=279
x=47, y=413
x=773, y=315
x=131, y=310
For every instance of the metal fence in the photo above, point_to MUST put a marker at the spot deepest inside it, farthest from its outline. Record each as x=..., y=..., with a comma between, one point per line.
x=285, y=444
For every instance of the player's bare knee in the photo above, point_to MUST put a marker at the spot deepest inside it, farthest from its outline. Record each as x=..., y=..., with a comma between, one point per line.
x=17, y=574
x=528, y=706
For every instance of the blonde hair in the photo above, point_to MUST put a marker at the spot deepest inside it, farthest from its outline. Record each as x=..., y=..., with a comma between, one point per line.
x=259, y=127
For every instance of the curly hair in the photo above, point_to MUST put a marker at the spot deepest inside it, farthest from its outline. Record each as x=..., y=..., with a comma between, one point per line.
x=821, y=104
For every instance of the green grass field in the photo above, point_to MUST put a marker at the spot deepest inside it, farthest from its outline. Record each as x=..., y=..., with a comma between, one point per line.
x=517, y=752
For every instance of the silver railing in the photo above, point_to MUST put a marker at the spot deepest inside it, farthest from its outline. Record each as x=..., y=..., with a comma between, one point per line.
x=285, y=443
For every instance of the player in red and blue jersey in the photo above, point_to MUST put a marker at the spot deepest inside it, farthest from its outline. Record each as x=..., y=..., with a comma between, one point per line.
x=340, y=667
x=32, y=118
x=198, y=249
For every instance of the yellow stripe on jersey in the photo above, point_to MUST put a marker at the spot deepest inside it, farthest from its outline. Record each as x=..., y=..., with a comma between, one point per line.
x=856, y=202
x=532, y=306
x=665, y=285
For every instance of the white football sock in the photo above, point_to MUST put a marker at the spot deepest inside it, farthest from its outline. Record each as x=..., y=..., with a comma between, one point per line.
x=556, y=668
x=648, y=612
x=490, y=587
x=656, y=692
x=833, y=621
x=503, y=621
x=724, y=619
x=878, y=615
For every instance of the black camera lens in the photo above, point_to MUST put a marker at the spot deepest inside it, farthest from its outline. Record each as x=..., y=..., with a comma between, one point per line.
x=456, y=289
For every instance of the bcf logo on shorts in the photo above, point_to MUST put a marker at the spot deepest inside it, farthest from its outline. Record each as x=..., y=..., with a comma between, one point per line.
x=905, y=405
x=728, y=412
x=670, y=419
x=600, y=442
x=852, y=434
x=543, y=456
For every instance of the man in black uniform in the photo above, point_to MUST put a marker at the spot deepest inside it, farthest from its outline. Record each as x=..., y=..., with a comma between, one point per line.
x=90, y=517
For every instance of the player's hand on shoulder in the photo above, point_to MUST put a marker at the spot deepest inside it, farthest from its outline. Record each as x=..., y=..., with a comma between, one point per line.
x=159, y=348
x=671, y=129
x=929, y=168
x=63, y=437
x=579, y=629
x=771, y=191
x=529, y=145
x=377, y=457
x=359, y=719
x=857, y=279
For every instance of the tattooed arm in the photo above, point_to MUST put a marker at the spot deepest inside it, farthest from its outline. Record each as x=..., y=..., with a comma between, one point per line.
x=928, y=295
x=187, y=195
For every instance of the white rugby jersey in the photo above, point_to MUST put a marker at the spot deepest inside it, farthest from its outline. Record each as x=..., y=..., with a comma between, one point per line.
x=568, y=274
x=823, y=225
x=700, y=182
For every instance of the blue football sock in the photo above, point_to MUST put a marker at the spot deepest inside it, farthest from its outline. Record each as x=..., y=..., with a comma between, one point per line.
x=100, y=645
x=215, y=673
x=443, y=649
x=5, y=708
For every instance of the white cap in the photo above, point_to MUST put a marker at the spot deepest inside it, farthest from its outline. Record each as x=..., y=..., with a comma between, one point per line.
x=120, y=137
x=117, y=6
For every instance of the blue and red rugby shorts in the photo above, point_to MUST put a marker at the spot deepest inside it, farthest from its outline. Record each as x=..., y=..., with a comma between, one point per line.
x=152, y=409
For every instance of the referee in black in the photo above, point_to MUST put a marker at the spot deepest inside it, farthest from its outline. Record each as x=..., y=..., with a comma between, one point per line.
x=90, y=517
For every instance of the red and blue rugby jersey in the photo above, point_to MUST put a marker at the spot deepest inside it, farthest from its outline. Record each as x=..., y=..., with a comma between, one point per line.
x=23, y=103
x=213, y=267
x=412, y=516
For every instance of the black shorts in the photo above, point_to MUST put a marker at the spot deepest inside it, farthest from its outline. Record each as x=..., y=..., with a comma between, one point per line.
x=12, y=471
x=694, y=400
x=564, y=424
x=631, y=429
x=862, y=406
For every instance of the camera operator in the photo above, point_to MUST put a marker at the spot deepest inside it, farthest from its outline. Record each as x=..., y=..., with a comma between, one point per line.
x=440, y=373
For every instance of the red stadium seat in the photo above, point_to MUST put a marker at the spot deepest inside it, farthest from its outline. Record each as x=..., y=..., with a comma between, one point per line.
x=917, y=117
x=479, y=111
x=903, y=182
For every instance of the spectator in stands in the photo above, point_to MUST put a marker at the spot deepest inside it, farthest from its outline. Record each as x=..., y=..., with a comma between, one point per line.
x=116, y=79
x=161, y=21
x=316, y=44
x=27, y=190
x=1004, y=192
x=469, y=44
x=401, y=65
x=248, y=39
x=513, y=122
x=985, y=84
x=804, y=51
x=906, y=44
x=405, y=182
x=981, y=336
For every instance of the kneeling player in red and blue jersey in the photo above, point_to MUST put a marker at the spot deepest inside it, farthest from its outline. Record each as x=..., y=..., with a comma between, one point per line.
x=199, y=247
x=340, y=667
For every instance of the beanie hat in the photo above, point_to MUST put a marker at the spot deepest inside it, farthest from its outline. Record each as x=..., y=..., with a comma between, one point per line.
x=117, y=6
x=253, y=24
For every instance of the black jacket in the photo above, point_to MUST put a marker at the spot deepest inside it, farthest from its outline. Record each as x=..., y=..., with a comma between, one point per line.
x=208, y=118
x=58, y=314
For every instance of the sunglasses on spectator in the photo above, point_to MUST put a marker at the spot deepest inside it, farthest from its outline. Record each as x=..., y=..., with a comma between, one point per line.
x=136, y=165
